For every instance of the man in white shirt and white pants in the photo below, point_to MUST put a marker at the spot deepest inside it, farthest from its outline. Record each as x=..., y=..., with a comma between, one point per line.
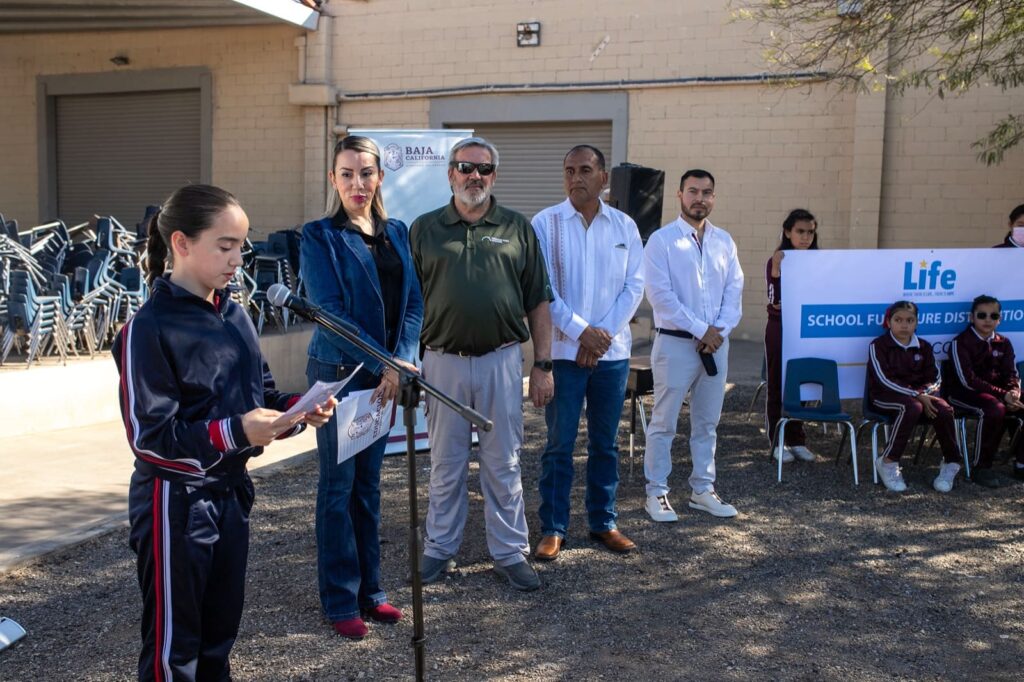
x=594, y=257
x=695, y=284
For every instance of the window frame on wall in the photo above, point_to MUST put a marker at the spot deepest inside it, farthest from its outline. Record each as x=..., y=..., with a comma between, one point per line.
x=49, y=88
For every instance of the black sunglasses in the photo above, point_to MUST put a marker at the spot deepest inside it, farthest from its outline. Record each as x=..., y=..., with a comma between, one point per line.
x=467, y=168
x=981, y=315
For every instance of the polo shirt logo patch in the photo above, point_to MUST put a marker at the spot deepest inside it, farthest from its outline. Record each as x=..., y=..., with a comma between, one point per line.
x=493, y=240
x=917, y=357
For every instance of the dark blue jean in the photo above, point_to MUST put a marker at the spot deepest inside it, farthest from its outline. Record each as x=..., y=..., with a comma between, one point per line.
x=347, y=511
x=604, y=388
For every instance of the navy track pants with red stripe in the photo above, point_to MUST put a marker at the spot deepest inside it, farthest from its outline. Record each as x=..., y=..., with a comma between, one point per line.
x=192, y=545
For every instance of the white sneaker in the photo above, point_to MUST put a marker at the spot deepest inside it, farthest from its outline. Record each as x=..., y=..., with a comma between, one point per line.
x=802, y=453
x=712, y=504
x=947, y=474
x=891, y=475
x=787, y=454
x=660, y=510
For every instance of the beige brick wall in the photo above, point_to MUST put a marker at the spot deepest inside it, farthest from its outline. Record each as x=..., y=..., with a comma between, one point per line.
x=396, y=44
x=257, y=134
x=769, y=150
x=935, y=193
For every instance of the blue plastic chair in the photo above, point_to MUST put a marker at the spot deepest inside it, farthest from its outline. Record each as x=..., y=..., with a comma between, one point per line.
x=961, y=416
x=825, y=373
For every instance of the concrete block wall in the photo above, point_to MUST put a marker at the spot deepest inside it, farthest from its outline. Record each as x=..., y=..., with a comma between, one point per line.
x=257, y=134
x=935, y=193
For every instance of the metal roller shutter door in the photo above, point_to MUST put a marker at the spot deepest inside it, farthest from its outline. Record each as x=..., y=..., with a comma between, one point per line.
x=116, y=153
x=531, y=154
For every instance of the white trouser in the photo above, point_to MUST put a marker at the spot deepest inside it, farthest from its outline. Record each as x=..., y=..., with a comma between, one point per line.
x=677, y=369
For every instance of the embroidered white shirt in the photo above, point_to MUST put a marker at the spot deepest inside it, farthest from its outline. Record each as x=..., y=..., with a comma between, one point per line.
x=596, y=275
x=693, y=286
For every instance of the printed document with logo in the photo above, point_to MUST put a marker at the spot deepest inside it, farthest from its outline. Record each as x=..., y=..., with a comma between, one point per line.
x=317, y=394
x=362, y=421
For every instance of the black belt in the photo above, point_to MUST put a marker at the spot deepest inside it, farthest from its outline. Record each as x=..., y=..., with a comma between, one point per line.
x=470, y=354
x=678, y=333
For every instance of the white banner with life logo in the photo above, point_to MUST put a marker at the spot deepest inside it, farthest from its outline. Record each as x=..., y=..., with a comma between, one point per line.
x=415, y=164
x=833, y=302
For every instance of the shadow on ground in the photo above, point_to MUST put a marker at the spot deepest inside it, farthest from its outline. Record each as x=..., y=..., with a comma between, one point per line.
x=817, y=579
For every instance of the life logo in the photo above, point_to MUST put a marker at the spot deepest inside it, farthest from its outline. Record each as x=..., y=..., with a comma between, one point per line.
x=925, y=277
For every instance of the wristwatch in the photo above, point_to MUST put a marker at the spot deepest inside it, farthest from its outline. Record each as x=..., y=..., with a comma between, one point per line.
x=544, y=365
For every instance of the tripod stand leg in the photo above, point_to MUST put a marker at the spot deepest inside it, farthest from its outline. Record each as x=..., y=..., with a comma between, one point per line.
x=409, y=401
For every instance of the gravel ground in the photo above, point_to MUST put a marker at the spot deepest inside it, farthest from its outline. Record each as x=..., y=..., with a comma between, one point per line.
x=816, y=579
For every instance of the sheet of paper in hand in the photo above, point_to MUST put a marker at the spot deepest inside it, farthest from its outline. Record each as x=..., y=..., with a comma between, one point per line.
x=362, y=422
x=317, y=394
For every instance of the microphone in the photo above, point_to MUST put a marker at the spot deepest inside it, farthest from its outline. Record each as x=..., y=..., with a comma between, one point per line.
x=282, y=297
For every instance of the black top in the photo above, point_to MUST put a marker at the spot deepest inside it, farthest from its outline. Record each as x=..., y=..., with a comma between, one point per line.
x=389, y=270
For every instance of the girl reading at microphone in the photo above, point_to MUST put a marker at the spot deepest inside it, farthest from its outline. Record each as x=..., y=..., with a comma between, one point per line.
x=198, y=401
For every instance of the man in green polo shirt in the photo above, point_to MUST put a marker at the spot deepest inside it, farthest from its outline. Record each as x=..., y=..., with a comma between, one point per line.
x=482, y=272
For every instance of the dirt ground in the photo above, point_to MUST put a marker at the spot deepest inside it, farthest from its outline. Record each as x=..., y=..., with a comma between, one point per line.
x=815, y=580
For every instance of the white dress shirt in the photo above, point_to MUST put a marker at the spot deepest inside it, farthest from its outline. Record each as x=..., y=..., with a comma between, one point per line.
x=693, y=286
x=596, y=275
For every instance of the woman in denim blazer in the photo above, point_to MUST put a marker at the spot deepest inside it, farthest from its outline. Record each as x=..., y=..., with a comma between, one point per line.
x=356, y=264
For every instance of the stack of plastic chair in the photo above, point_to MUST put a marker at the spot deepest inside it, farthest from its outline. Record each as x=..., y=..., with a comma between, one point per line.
x=35, y=318
x=77, y=316
x=135, y=291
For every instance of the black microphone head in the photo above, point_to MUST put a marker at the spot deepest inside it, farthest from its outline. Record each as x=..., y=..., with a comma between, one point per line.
x=278, y=294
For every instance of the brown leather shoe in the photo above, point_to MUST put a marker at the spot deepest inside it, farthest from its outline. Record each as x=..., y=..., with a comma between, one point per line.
x=548, y=548
x=614, y=540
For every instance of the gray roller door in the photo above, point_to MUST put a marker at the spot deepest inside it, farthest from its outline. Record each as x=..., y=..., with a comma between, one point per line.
x=116, y=153
x=530, y=171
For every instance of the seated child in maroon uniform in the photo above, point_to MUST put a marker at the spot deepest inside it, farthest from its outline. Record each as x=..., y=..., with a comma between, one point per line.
x=981, y=378
x=903, y=382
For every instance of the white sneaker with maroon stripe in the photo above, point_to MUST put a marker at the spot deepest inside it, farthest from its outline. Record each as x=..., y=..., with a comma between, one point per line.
x=711, y=503
x=659, y=509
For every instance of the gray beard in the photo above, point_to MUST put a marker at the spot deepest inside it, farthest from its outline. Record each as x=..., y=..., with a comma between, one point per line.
x=473, y=198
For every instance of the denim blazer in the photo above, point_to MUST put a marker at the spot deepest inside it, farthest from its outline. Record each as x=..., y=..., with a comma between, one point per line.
x=341, y=277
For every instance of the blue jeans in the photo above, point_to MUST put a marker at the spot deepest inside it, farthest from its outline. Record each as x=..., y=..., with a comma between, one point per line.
x=604, y=388
x=347, y=511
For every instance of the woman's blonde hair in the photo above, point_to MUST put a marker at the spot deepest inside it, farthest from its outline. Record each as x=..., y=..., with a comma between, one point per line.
x=356, y=143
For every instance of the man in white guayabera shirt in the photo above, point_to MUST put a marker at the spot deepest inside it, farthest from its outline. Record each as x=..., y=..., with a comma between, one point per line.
x=695, y=285
x=594, y=258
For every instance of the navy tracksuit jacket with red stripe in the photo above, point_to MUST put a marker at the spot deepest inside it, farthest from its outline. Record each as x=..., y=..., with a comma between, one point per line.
x=189, y=371
x=896, y=375
x=977, y=377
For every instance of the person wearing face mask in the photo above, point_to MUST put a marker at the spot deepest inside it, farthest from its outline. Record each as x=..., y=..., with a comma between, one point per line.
x=981, y=378
x=799, y=232
x=485, y=291
x=357, y=265
x=1015, y=235
x=903, y=382
x=595, y=257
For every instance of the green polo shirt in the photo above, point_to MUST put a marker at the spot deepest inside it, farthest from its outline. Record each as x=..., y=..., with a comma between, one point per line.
x=478, y=280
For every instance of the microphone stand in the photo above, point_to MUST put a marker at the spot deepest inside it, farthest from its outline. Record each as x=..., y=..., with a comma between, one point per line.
x=410, y=385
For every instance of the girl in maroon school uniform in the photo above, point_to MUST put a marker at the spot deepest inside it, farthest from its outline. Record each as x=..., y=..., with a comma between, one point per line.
x=799, y=231
x=903, y=382
x=198, y=401
x=981, y=378
x=1015, y=236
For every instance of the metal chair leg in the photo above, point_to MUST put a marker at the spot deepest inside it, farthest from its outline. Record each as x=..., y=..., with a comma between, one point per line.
x=779, y=430
x=853, y=454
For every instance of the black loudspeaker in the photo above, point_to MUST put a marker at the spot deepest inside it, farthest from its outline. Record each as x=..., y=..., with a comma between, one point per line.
x=638, y=191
